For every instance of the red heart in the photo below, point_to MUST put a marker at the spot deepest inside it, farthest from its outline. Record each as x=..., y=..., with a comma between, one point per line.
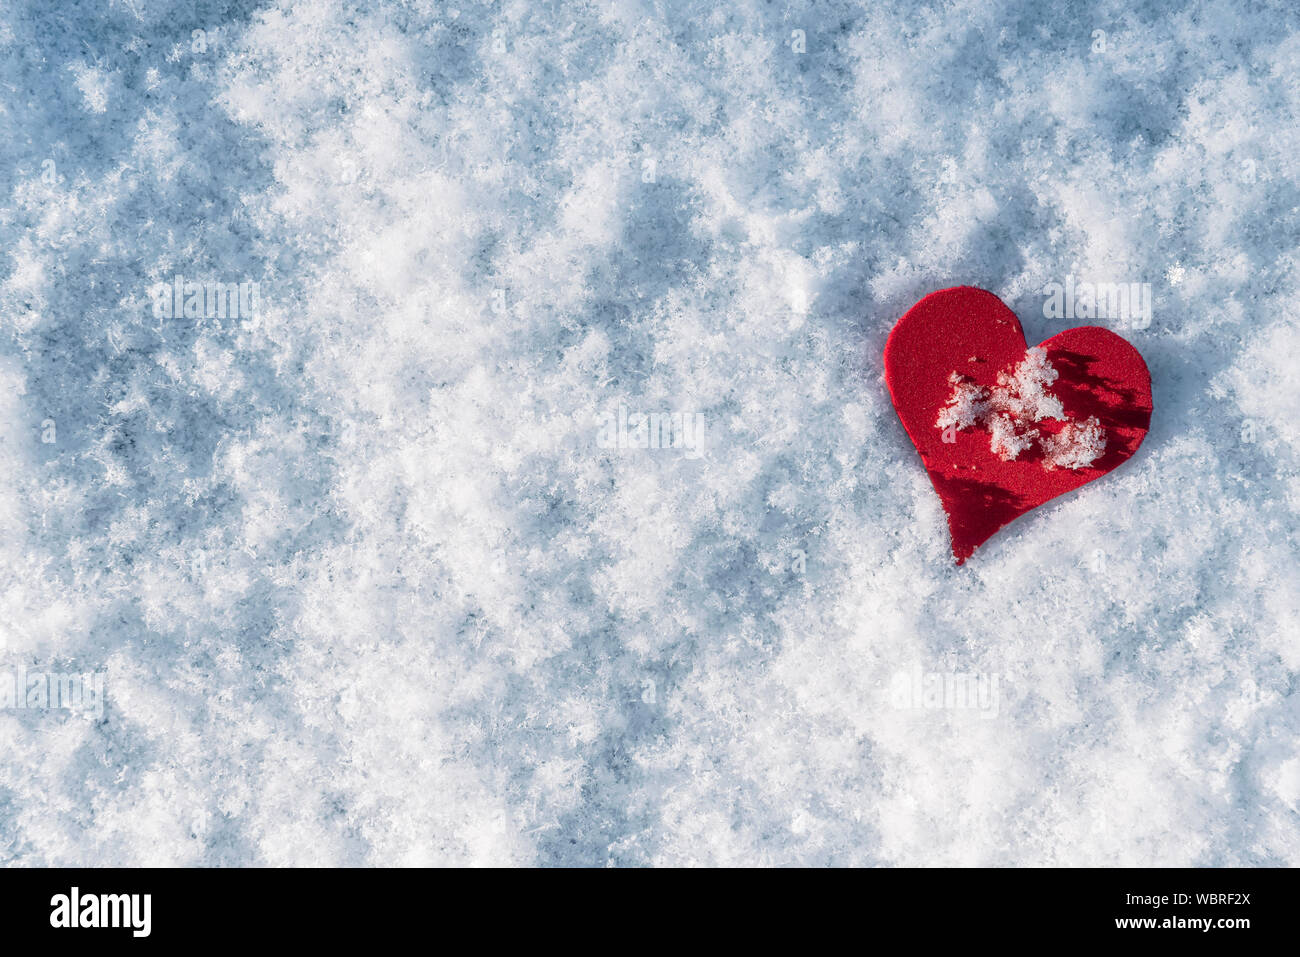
x=994, y=460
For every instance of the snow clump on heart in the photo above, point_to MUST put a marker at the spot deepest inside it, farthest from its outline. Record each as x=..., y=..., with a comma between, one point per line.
x=1007, y=411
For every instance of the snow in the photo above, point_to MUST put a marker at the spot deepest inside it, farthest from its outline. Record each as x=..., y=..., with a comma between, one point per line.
x=967, y=407
x=1076, y=446
x=1025, y=394
x=1021, y=396
x=1008, y=437
x=366, y=586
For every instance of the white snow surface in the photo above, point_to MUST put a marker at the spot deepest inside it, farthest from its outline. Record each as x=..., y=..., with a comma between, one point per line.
x=367, y=590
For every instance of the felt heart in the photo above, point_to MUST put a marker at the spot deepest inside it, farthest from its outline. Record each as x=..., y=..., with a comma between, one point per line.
x=1003, y=428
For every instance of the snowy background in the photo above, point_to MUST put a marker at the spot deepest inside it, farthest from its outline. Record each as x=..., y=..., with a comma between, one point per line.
x=367, y=588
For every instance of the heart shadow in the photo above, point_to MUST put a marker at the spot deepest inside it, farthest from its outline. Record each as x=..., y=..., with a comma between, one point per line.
x=972, y=526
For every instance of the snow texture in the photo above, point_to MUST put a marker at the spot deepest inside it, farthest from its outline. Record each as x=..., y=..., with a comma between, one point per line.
x=365, y=585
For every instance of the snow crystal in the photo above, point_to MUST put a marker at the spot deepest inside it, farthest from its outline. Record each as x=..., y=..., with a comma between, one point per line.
x=1076, y=446
x=967, y=406
x=1008, y=437
x=1022, y=396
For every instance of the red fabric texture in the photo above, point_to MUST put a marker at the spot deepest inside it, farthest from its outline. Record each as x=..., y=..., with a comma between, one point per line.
x=972, y=332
